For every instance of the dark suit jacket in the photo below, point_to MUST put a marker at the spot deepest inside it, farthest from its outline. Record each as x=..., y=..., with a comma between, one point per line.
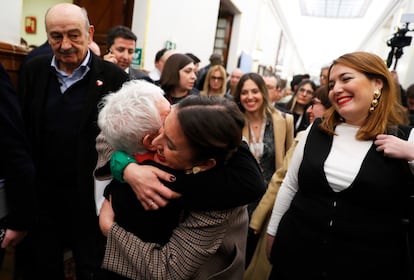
x=16, y=165
x=136, y=74
x=103, y=77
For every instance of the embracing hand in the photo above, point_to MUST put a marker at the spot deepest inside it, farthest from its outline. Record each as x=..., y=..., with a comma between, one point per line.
x=145, y=182
x=106, y=216
x=269, y=244
x=394, y=147
x=12, y=238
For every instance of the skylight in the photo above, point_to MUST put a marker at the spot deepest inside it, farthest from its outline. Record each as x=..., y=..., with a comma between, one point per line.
x=344, y=9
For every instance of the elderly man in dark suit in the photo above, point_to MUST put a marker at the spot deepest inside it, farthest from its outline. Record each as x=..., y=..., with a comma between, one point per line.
x=121, y=42
x=61, y=94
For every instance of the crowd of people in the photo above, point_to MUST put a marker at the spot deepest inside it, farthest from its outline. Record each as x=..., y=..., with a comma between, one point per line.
x=188, y=173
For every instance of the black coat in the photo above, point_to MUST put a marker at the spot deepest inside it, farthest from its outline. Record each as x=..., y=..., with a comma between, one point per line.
x=16, y=165
x=35, y=83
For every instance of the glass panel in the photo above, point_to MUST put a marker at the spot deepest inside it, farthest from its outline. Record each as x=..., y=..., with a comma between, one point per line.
x=219, y=43
x=221, y=23
x=220, y=33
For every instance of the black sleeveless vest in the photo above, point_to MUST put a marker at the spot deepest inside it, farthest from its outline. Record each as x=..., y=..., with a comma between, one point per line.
x=353, y=234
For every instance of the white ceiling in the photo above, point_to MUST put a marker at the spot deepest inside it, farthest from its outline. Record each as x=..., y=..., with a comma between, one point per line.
x=319, y=40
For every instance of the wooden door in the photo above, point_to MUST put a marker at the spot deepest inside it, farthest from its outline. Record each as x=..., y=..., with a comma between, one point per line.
x=223, y=35
x=105, y=14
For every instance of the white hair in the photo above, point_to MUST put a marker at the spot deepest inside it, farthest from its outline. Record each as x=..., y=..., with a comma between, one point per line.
x=129, y=114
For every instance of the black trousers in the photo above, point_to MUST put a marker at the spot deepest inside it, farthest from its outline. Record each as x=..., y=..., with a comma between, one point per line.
x=2, y=251
x=109, y=275
x=41, y=254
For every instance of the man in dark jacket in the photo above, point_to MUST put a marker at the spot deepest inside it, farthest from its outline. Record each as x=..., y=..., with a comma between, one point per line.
x=121, y=42
x=60, y=95
x=16, y=169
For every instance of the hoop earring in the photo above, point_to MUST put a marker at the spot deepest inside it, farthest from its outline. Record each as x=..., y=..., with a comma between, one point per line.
x=374, y=102
x=194, y=170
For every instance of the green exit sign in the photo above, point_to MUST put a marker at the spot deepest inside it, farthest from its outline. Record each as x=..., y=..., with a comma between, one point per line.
x=137, y=57
x=169, y=45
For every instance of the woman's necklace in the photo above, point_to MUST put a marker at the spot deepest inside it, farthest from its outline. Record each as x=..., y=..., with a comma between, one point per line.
x=256, y=138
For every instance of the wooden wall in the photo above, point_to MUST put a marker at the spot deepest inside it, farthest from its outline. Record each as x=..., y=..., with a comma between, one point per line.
x=11, y=56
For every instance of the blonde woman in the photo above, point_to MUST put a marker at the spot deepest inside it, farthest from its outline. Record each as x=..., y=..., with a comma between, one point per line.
x=215, y=82
x=268, y=131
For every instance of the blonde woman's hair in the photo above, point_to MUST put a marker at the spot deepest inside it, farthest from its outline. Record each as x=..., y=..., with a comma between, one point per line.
x=206, y=86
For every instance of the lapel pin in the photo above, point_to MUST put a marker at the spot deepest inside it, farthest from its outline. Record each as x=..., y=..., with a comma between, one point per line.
x=99, y=83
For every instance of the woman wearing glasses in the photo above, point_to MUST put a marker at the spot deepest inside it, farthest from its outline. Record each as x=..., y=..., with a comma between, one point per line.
x=299, y=103
x=215, y=82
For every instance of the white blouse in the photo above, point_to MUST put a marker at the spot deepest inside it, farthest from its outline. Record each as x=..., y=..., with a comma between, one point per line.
x=341, y=167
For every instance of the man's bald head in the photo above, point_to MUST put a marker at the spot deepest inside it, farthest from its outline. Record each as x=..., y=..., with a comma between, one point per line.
x=62, y=10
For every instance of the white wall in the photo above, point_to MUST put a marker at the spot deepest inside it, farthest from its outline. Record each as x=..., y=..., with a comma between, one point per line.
x=38, y=9
x=269, y=37
x=271, y=28
x=139, y=24
x=234, y=48
x=10, y=27
x=190, y=24
x=256, y=32
x=249, y=26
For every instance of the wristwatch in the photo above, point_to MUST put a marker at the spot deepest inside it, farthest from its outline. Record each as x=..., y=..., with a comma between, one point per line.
x=2, y=234
x=120, y=160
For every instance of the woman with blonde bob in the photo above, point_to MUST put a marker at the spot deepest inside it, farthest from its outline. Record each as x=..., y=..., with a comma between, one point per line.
x=215, y=82
x=339, y=211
